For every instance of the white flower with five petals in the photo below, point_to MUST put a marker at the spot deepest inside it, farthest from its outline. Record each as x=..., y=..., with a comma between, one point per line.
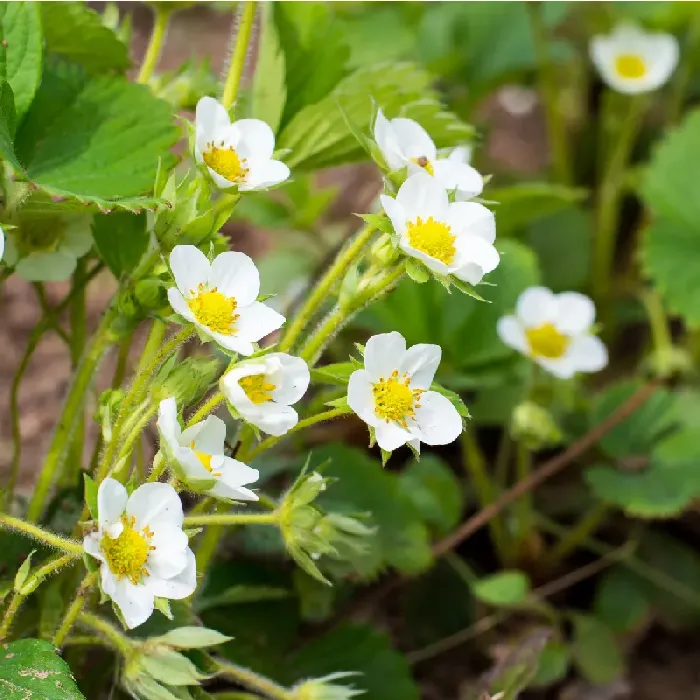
x=633, y=61
x=197, y=455
x=263, y=390
x=392, y=394
x=237, y=154
x=554, y=330
x=405, y=143
x=220, y=298
x=143, y=550
x=448, y=238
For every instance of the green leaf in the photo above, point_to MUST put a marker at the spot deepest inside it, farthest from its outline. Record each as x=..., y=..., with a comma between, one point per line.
x=595, y=651
x=191, y=638
x=121, y=239
x=515, y=672
x=8, y=122
x=237, y=595
x=31, y=668
x=384, y=674
x=552, y=666
x=333, y=374
x=76, y=33
x=96, y=139
x=454, y=398
x=434, y=491
x=170, y=667
x=23, y=572
x=90, y=495
x=362, y=486
x=621, y=601
x=20, y=50
x=381, y=223
x=503, y=589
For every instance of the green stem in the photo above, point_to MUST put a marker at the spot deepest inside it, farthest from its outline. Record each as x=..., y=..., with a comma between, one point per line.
x=132, y=436
x=232, y=519
x=74, y=609
x=10, y=614
x=206, y=408
x=158, y=468
x=235, y=71
x=658, y=322
x=155, y=44
x=305, y=423
x=579, y=533
x=556, y=128
x=320, y=293
x=253, y=681
x=118, y=640
x=37, y=533
x=523, y=468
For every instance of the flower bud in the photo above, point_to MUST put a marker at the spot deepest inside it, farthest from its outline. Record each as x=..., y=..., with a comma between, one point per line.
x=349, y=287
x=669, y=362
x=107, y=410
x=187, y=380
x=150, y=294
x=324, y=688
x=534, y=426
x=383, y=253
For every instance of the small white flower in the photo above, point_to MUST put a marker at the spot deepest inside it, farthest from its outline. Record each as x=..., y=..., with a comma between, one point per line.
x=263, y=390
x=405, y=143
x=392, y=394
x=220, y=298
x=449, y=238
x=198, y=454
x=48, y=249
x=238, y=154
x=633, y=61
x=142, y=547
x=554, y=330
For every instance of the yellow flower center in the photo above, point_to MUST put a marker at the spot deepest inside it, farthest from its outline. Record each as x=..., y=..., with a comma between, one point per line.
x=205, y=460
x=257, y=388
x=126, y=555
x=394, y=399
x=424, y=163
x=630, y=66
x=546, y=341
x=226, y=162
x=213, y=310
x=432, y=238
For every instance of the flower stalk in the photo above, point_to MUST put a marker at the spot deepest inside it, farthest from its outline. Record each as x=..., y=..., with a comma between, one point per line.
x=235, y=71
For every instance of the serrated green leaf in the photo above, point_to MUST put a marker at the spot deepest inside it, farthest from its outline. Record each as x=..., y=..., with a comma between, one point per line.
x=621, y=601
x=381, y=223
x=269, y=89
x=121, y=239
x=8, y=121
x=21, y=50
x=503, y=589
x=31, y=668
x=595, y=651
x=78, y=34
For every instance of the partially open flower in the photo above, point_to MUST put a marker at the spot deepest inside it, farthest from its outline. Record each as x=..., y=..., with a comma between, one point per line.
x=554, y=330
x=263, y=390
x=448, y=238
x=392, y=394
x=237, y=154
x=220, y=298
x=633, y=61
x=142, y=548
x=405, y=143
x=197, y=455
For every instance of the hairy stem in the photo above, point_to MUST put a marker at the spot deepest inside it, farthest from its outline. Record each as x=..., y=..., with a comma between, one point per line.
x=74, y=609
x=240, y=50
x=232, y=519
x=116, y=639
x=206, y=408
x=41, y=535
x=155, y=43
x=253, y=681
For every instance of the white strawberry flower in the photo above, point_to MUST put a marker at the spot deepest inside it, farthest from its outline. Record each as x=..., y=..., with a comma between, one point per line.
x=197, y=455
x=237, y=154
x=554, y=330
x=633, y=61
x=392, y=394
x=449, y=238
x=405, y=143
x=143, y=550
x=220, y=297
x=263, y=390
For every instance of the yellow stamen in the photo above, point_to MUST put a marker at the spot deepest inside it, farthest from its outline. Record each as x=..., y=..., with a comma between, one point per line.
x=257, y=388
x=424, y=163
x=226, y=162
x=432, y=238
x=546, y=341
x=630, y=66
x=394, y=399
x=126, y=555
x=213, y=310
x=204, y=459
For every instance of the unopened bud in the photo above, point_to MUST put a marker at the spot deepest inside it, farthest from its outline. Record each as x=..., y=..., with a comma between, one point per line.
x=670, y=362
x=534, y=426
x=383, y=253
x=325, y=689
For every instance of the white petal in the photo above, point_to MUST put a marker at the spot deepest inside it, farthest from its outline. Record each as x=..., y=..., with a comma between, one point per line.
x=111, y=502
x=511, y=333
x=360, y=397
x=91, y=544
x=588, y=353
x=235, y=493
x=474, y=250
x=421, y=362
x=431, y=263
x=386, y=140
x=166, y=562
x=291, y=379
x=412, y=139
x=264, y=174
x=168, y=425
x=273, y=418
x=231, y=342
x=235, y=275
x=421, y=195
x=472, y=218
x=395, y=213
x=190, y=463
x=219, y=180
x=438, y=420
x=562, y=367
x=536, y=306
x=190, y=268
x=391, y=436
x=460, y=176
x=211, y=119
x=575, y=313
x=47, y=267
x=257, y=321
x=461, y=154
x=211, y=436
x=235, y=473
x=178, y=587
x=169, y=537
x=134, y=601
x=230, y=384
x=156, y=502
x=384, y=353
x=179, y=305
x=2, y=243
x=256, y=139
